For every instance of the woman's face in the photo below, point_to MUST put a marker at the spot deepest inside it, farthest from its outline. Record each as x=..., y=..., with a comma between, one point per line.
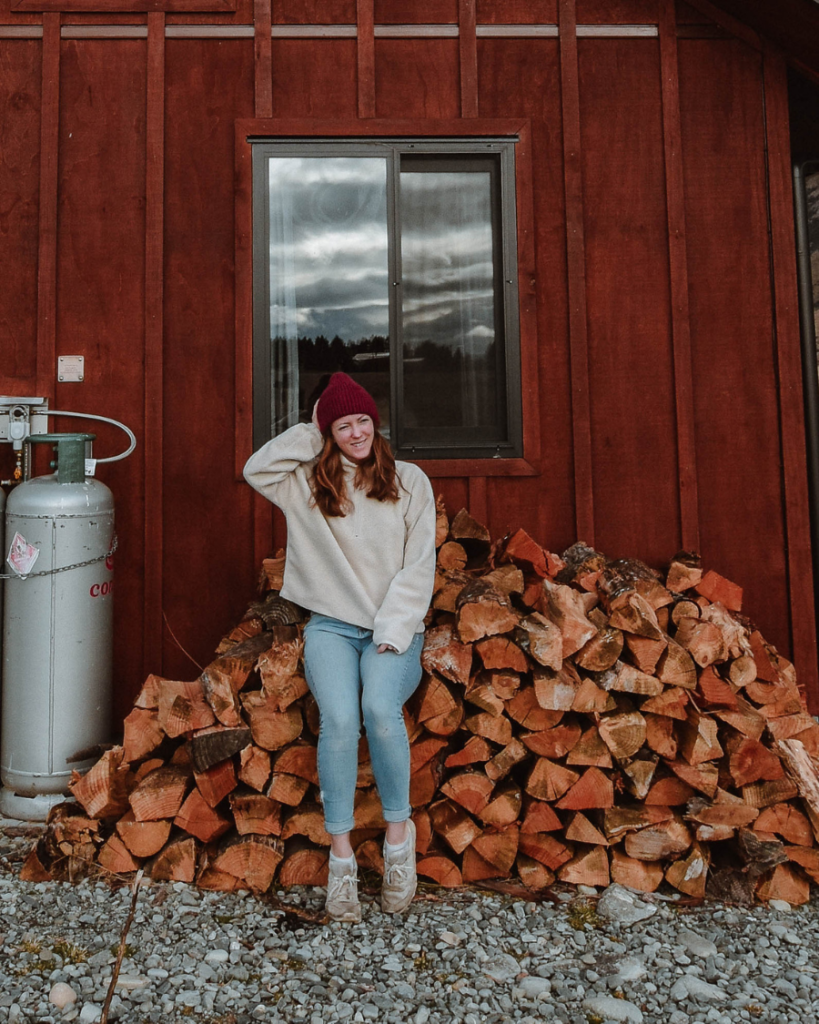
x=354, y=435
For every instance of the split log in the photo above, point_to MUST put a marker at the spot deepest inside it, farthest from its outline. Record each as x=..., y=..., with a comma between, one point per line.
x=305, y=865
x=588, y=867
x=501, y=653
x=548, y=780
x=717, y=588
x=287, y=789
x=538, y=816
x=541, y=640
x=504, y=806
x=527, y=712
x=143, y=838
x=224, y=678
x=115, y=856
x=555, y=691
x=441, y=870
x=474, y=751
x=499, y=849
x=632, y=613
x=254, y=767
x=160, y=794
x=208, y=747
x=483, y=611
x=278, y=667
x=521, y=549
x=505, y=760
x=669, y=792
x=308, y=820
x=644, y=876
x=142, y=733
x=271, y=729
x=638, y=775
x=565, y=608
x=556, y=742
x=591, y=699
x=588, y=750
x=452, y=556
x=786, y=821
x=801, y=769
x=216, y=782
x=183, y=708
x=602, y=650
x=470, y=789
x=690, y=873
x=646, y=651
x=676, y=667
x=546, y=849
x=256, y=814
x=453, y=824
x=663, y=841
x=594, y=789
x=703, y=777
x=103, y=791
x=581, y=830
x=619, y=821
x=497, y=729
x=252, y=859
x=786, y=883
x=684, y=572
x=764, y=794
x=445, y=655
x=622, y=732
x=751, y=761
x=176, y=861
x=533, y=874
x=199, y=819
x=481, y=693
x=698, y=739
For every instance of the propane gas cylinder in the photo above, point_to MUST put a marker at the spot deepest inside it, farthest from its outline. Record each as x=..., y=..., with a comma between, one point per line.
x=57, y=631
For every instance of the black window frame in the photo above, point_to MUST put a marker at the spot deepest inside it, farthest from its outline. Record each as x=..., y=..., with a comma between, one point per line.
x=504, y=218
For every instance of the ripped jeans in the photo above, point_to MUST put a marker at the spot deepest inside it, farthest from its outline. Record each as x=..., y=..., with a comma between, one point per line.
x=351, y=680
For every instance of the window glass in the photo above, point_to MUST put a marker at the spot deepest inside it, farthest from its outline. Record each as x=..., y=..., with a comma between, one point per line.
x=394, y=262
x=451, y=378
x=328, y=287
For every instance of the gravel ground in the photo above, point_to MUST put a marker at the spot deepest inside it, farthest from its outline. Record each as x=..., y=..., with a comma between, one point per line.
x=457, y=956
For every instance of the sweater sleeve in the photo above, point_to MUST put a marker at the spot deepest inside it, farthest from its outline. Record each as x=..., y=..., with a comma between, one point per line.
x=271, y=469
x=407, y=599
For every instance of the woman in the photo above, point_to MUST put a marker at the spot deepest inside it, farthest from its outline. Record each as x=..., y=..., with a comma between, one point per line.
x=361, y=558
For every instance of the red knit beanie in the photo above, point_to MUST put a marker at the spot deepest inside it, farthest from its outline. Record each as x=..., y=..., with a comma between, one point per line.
x=343, y=397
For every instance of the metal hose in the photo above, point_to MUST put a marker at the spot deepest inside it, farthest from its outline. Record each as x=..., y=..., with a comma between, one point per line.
x=102, y=419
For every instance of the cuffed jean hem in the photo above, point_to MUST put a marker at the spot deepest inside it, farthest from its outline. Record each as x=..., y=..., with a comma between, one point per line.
x=339, y=830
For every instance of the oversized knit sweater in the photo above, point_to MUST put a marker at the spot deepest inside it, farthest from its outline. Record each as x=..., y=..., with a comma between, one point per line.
x=373, y=567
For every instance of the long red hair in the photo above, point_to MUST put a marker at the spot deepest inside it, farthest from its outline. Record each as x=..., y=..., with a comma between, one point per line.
x=375, y=475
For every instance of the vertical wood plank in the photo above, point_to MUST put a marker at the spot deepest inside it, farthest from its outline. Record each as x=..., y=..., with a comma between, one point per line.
x=678, y=268
x=366, y=58
x=788, y=357
x=154, y=281
x=468, y=50
x=576, y=267
x=263, y=65
x=479, y=499
x=47, y=257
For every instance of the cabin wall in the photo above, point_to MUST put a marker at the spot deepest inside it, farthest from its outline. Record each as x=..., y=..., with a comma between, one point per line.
x=666, y=340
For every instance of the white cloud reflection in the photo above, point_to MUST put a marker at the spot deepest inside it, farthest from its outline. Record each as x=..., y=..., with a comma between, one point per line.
x=329, y=256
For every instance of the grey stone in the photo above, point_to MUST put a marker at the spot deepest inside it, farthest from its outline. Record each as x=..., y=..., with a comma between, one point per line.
x=621, y=906
x=690, y=987
x=611, y=1008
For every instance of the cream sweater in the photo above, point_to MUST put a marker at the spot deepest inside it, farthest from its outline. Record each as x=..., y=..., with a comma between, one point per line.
x=373, y=567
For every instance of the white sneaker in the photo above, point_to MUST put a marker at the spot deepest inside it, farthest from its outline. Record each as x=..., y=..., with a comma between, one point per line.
x=400, y=881
x=342, y=891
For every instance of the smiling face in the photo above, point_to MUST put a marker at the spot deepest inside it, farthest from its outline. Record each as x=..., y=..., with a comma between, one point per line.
x=354, y=435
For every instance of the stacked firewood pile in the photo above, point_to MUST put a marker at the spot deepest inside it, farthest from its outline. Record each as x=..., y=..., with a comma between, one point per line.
x=579, y=719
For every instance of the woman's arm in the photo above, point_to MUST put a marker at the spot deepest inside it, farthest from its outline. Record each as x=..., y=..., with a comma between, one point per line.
x=270, y=470
x=407, y=599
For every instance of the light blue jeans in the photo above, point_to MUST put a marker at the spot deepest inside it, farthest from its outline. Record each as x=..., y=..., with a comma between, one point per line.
x=350, y=679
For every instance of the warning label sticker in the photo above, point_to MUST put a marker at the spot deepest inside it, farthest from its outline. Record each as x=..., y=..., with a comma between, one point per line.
x=22, y=555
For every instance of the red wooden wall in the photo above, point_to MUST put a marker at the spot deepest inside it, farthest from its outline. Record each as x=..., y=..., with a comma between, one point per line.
x=662, y=290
